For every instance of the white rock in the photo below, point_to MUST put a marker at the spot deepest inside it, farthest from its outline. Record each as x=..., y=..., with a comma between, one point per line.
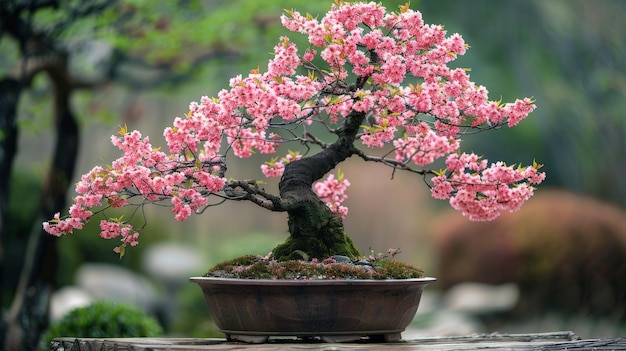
x=477, y=298
x=172, y=262
x=110, y=282
x=444, y=323
x=66, y=299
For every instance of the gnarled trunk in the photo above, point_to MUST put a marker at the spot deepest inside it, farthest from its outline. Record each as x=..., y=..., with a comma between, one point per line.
x=313, y=228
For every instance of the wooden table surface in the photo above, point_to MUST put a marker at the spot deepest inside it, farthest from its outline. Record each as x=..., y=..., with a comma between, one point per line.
x=540, y=341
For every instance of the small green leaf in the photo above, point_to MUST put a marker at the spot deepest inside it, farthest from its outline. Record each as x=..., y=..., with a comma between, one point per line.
x=440, y=172
x=340, y=175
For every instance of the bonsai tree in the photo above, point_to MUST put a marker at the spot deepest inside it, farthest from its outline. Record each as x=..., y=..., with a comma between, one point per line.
x=372, y=84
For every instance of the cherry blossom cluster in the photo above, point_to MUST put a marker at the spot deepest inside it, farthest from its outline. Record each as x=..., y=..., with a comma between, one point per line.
x=487, y=191
x=275, y=168
x=333, y=192
x=144, y=172
x=389, y=66
x=424, y=118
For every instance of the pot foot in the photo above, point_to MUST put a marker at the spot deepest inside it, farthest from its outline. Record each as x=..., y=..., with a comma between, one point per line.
x=249, y=339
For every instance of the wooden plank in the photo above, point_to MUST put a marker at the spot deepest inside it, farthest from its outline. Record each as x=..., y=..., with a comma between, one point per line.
x=541, y=341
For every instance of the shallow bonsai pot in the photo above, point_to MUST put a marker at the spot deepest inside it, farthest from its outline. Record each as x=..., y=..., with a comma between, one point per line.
x=252, y=310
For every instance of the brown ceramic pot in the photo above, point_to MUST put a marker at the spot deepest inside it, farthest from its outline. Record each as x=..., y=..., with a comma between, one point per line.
x=252, y=310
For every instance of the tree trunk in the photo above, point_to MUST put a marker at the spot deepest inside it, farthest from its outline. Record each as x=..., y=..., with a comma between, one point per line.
x=316, y=232
x=28, y=315
x=9, y=96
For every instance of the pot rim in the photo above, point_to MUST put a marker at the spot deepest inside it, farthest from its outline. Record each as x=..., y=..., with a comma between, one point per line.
x=301, y=282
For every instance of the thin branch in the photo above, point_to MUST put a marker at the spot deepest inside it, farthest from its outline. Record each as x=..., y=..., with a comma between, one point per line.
x=393, y=163
x=249, y=190
x=315, y=140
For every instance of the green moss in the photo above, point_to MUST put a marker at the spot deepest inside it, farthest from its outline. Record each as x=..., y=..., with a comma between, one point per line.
x=245, y=260
x=398, y=270
x=315, y=247
x=257, y=270
x=317, y=232
x=250, y=267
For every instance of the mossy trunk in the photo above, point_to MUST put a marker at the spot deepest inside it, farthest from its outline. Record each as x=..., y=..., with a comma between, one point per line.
x=315, y=231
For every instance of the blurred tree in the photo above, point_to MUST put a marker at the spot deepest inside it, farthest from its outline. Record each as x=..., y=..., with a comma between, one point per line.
x=40, y=53
x=86, y=45
x=571, y=56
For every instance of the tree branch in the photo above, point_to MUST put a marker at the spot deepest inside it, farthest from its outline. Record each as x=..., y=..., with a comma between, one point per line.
x=249, y=190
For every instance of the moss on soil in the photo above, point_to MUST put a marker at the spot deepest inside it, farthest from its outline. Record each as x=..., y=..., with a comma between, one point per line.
x=253, y=267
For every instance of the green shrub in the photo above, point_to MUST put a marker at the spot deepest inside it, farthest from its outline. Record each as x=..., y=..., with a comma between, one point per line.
x=104, y=319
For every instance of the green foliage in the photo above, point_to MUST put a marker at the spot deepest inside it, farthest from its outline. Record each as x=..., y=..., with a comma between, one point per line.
x=23, y=204
x=105, y=319
x=34, y=110
x=168, y=32
x=10, y=54
x=175, y=34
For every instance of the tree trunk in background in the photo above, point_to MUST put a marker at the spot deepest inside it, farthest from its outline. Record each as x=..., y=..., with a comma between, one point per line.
x=9, y=96
x=28, y=315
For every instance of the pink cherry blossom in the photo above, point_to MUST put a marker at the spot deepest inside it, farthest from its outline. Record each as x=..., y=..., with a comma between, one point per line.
x=332, y=192
x=391, y=70
x=488, y=191
x=275, y=168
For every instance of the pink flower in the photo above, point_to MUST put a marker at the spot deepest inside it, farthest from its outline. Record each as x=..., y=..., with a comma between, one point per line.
x=424, y=147
x=485, y=195
x=518, y=110
x=181, y=209
x=332, y=192
x=273, y=170
x=416, y=104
